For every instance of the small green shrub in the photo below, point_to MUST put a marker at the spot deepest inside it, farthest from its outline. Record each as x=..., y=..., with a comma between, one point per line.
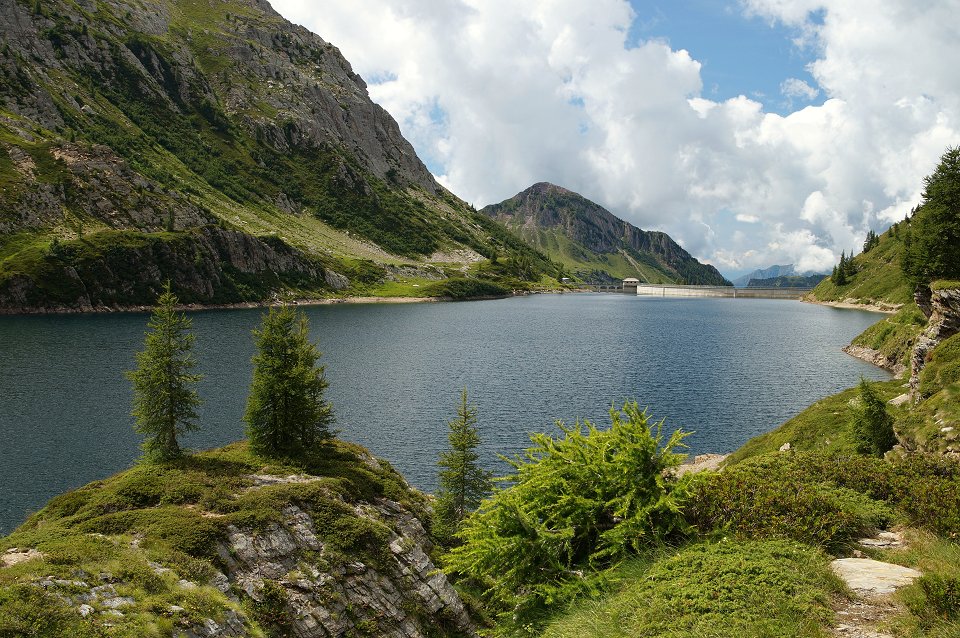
x=272, y=610
x=575, y=504
x=771, y=497
x=940, y=600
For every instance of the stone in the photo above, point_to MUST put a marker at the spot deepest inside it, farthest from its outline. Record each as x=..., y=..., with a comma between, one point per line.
x=15, y=556
x=872, y=577
x=85, y=610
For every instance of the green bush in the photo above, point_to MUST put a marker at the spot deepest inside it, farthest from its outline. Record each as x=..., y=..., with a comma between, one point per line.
x=747, y=589
x=575, y=504
x=772, y=497
x=924, y=489
x=461, y=288
x=940, y=600
x=871, y=424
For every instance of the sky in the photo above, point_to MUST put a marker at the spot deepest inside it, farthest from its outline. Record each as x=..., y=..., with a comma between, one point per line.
x=754, y=132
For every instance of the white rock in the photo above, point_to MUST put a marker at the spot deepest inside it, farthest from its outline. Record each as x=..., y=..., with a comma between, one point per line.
x=873, y=577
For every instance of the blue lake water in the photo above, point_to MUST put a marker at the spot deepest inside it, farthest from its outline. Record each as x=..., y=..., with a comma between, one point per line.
x=727, y=369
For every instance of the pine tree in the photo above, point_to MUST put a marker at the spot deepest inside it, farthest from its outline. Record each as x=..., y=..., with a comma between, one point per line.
x=164, y=399
x=286, y=414
x=936, y=225
x=872, y=424
x=463, y=482
x=840, y=277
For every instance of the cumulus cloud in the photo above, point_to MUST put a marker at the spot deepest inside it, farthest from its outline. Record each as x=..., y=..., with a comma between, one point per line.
x=496, y=95
x=796, y=88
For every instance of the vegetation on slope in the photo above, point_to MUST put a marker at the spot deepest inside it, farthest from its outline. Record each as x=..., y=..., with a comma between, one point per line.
x=122, y=126
x=594, y=244
x=876, y=276
x=127, y=529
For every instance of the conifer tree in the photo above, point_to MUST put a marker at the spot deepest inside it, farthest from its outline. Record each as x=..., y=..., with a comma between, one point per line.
x=286, y=414
x=936, y=225
x=164, y=398
x=463, y=482
x=872, y=424
x=840, y=276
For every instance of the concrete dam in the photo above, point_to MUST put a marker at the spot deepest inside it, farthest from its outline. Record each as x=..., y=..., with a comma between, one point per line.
x=675, y=290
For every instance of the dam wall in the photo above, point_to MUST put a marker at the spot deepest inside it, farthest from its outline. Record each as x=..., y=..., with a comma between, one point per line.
x=668, y=290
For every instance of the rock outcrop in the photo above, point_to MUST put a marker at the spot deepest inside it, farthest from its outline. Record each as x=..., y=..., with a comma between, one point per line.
x=225, y=545
x=942, y=309
x=401, y=594
x=875, y=357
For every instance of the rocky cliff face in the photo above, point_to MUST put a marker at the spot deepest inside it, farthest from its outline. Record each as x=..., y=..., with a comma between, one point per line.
x=175, y=115
x=544, y=211
x=942, y=309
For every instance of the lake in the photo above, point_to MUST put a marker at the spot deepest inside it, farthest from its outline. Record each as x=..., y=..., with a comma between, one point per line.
x=727, y=369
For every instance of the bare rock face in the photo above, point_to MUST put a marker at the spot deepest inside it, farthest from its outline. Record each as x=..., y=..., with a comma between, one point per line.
x=875, y=357
x=400, y=594
x=942, y=307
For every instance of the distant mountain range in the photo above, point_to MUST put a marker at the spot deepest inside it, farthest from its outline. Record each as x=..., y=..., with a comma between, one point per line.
x=594, y=243
x=791, y=281
x=765, y=273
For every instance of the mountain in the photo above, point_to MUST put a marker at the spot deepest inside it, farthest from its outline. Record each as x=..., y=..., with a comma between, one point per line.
x=593, y=242
x=765, y=273
x=787, y=281
x=213, y=144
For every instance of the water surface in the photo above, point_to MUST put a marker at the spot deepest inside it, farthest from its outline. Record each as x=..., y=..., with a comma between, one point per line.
x=727, y=369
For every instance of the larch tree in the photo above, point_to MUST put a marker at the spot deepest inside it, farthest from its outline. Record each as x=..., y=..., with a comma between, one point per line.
x=872, y=425
x=164, y=396
x=286, y=413
x=463, y=482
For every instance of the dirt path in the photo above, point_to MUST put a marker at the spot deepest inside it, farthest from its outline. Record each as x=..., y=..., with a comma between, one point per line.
x=872, y=582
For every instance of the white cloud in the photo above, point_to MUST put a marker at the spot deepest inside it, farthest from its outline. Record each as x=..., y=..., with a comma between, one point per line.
x=795, y=88
x=548, y=90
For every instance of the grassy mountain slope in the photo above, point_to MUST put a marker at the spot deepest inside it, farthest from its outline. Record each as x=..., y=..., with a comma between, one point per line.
x=588, y=239
x=182, y=119
x=878, y=277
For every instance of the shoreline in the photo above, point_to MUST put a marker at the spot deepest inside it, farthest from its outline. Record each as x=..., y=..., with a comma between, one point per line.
x=246, y=305
x=886, y=309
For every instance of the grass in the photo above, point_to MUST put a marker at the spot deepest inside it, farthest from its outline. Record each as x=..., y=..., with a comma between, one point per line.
x=931, y=604
x=179, y=512
x=879, y=278
x=760, y=588
x=894, y=336
x=822, y=427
